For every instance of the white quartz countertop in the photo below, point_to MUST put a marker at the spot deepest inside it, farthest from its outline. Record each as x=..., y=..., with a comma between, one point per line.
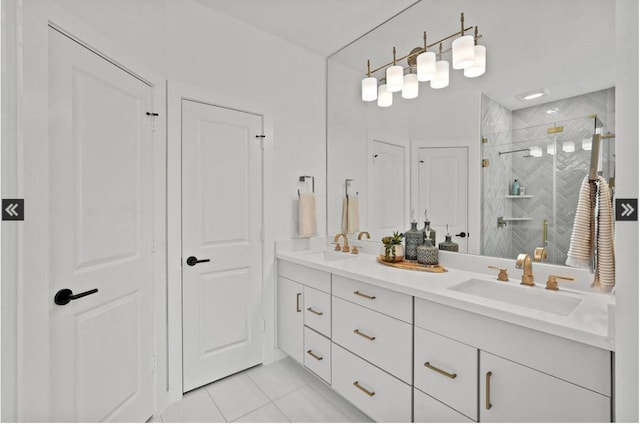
x=591, y=322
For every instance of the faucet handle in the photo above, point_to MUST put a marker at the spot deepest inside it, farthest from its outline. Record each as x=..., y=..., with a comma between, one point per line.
x=539, y=254
x=337, y=248
x=502, y=275
x=354, y=250
x=552, y=281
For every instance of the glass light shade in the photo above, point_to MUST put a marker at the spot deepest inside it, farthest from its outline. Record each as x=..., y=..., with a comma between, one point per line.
x=395, y=78
x=385, y=97
x=479, y=63
x=568, y=146
x=462, y=52
x=410, y=87
x=369, y=89
x=586, y=144
x=551, y=149
x=426, y=63
x=536, y=152
x=441, y=78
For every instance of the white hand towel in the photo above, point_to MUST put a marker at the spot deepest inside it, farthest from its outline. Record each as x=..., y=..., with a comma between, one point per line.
x=605, y=277
x=307, y=221
x=350, y=214
x=581, y=247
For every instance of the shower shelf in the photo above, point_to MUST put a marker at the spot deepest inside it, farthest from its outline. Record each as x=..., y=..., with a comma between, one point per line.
x=524, y=196
x=517, y=218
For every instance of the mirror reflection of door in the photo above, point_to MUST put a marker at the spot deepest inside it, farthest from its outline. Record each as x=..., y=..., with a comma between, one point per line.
x=388, y=200
x=442, y=191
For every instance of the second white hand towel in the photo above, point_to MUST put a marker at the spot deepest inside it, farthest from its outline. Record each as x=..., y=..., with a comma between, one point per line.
x=307, y=221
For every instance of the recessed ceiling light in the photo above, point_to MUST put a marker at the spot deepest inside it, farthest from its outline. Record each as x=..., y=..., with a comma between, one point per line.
x=533, y=94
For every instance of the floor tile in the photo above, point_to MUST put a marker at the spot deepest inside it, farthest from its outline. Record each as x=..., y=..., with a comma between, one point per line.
x=236, y=396
x=306, y=405
x=339, y=402
x=279, y=378
x=195, y=406
x=267, y=414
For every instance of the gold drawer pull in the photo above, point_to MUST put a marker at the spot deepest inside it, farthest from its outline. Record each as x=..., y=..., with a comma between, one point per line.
x=370, y=338
x=366, y=296
x=298, y=302
x=440, y=371
x=314, y=311
x=488, y=390
x=310, y=352
x=355, y=383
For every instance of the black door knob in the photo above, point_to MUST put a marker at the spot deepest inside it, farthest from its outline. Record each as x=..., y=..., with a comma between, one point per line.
x=65, y=296
x=192, y=260
x=462, y=234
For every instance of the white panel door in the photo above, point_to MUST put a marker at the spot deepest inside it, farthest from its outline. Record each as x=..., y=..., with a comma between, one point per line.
x=387, y=179
x=221, y=247
x=442, y=189
x=101, y=232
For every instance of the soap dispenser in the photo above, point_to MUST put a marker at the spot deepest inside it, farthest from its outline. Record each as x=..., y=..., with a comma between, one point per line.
x=412, y=238
x=515, y=188
x=447, y=244
x=429, y=233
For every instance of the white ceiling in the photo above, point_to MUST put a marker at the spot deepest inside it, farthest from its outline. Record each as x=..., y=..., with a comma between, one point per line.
x=565, y=46
x=321, y=26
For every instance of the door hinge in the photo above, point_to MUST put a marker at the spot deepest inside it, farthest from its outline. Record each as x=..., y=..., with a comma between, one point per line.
x=153, y=116
x=153, y=364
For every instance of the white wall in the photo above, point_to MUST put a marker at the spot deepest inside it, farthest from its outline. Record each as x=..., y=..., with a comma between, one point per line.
x=626, y=326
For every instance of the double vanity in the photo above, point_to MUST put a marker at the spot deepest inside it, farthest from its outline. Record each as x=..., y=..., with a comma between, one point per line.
x=456, y=346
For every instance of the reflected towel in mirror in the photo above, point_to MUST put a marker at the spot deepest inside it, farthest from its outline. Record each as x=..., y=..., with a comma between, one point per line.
x=350, y=214
x=307, y=221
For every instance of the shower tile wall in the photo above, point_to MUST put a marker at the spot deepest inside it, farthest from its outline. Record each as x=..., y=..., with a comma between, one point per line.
x=496, y=124
x=536, y=174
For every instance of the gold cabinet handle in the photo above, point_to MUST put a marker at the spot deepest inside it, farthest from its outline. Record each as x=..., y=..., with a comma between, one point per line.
x=440, y=371
x=370, y=338
x=310, y=352
x=488, y=391
x=313, y=311
x=298, y=302
x=366, y=296
x=355, y=383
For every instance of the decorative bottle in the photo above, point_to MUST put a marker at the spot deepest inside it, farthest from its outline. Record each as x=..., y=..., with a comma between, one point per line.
x=427, y=253
x=447, y=244
x=412, y=238
x=515, y=188
x=429, y=233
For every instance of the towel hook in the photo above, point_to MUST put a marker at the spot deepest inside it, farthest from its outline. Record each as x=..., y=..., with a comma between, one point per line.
x=346, y=186
x=303, y=178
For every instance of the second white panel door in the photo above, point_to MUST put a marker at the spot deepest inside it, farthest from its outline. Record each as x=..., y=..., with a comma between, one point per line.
x=221, y=247
x=442, y=190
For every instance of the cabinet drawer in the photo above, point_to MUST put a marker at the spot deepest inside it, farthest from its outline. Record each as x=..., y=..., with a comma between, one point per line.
x=447, y=370
x=308, y=276
x=381, y=396
x=317, y=354
x=380, y=339
x=389, y=302
x=317, y=310
x=428, y=410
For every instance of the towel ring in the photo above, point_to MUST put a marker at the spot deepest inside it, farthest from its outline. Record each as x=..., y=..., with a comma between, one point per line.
x=303, y=178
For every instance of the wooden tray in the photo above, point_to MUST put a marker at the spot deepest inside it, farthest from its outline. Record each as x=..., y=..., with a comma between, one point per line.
x=414, y=266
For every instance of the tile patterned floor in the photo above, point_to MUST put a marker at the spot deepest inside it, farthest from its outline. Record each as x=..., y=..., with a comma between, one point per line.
x=280, y=392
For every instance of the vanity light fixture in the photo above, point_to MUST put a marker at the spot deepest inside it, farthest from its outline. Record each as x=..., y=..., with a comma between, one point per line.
x=533, y=94
x=423, y=66
x=551, y=149
x=568, y=146
x=586, y=144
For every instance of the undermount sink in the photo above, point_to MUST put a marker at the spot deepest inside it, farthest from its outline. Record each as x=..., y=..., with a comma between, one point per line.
x=528, y=297
x=330, y=255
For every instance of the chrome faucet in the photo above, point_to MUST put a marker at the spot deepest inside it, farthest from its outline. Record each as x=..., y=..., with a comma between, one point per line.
x=524, y=263
x=336, y=239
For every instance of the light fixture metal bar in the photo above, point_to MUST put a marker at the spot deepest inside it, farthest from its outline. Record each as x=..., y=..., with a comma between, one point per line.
x=428, y=47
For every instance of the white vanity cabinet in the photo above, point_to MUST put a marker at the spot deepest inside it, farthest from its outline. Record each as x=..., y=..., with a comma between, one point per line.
x=304, y=316
x=511, y=392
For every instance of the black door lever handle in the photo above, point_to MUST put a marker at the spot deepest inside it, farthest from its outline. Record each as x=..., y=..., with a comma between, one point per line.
x=462, y=234
x=65, y=296
x=192, y=260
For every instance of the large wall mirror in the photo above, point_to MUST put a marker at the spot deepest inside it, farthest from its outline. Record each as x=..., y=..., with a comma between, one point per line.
x=426, y=154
